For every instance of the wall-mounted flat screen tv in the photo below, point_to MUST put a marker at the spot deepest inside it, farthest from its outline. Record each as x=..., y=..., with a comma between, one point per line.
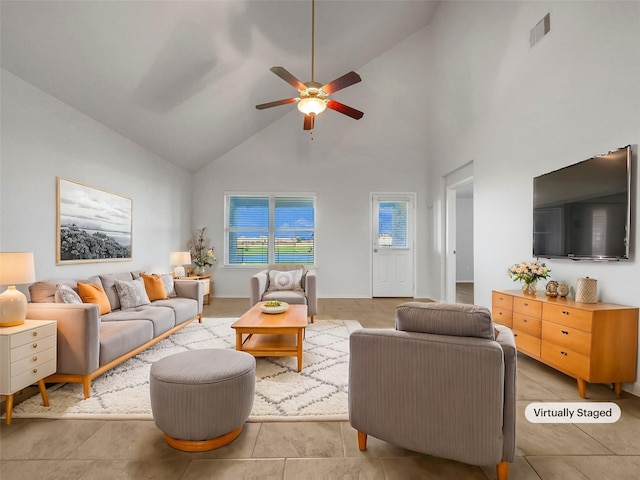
x=583, y=211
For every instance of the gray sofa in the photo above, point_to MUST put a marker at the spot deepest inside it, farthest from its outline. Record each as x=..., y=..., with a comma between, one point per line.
x=443, y=383
x=89, y=344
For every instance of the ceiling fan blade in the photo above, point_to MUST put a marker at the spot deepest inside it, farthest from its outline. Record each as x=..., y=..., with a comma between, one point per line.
x=309, y=120
x=345, y=109
x=344, y=81
x=289, y=78
x=277, y=103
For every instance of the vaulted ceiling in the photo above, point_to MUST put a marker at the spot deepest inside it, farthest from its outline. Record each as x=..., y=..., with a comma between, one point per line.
x=182, y=78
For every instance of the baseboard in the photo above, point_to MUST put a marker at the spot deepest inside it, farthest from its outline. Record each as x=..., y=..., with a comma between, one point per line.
x=632, y=388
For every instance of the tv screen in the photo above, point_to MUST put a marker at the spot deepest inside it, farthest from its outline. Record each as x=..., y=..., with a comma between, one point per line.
x=582, y=211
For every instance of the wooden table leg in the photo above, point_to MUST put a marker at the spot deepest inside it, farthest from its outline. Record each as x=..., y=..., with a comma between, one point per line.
x=238, y=341
x=8, y=408
x=300, y=341
x=43, y=392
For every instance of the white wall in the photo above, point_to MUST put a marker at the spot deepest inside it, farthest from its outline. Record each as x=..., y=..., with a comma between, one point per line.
x=518, y=112
x=345, y=162
x=43, y=138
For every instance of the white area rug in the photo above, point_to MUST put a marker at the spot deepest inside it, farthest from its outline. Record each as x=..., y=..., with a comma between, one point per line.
x=282, y=393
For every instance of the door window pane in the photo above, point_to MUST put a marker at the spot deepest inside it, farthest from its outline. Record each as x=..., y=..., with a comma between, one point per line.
x=392, y=224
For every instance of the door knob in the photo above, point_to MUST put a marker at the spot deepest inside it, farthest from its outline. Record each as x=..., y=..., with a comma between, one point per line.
x=375, y=249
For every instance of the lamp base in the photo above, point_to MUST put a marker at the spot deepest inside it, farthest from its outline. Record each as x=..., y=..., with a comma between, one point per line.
x=178, y=272
x=13, y=307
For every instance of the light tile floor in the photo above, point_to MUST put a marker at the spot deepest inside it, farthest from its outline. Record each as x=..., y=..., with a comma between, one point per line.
x=97, y=449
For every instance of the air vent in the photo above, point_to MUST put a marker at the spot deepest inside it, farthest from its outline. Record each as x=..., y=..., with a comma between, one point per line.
x=540, y=30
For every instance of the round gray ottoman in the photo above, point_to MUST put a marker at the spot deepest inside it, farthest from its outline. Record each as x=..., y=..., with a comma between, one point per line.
x=200, y=399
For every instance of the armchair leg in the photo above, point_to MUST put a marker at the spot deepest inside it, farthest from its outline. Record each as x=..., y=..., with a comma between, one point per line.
x=311, y=318
x=362, y=441
x=502, y=469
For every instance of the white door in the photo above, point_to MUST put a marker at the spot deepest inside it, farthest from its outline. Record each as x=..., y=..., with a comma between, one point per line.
x=392, y=252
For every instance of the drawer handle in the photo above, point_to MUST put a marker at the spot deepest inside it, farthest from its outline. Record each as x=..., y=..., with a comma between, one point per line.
x=35, y=334
x=35, y=345
x=564, y=332
x=526, y=304
x=563, y=353
x=35, y=370
x=524, y=320
x=35, y=359
x=564, y=312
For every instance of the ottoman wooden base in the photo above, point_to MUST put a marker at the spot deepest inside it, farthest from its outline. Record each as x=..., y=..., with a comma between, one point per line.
x=202, y=445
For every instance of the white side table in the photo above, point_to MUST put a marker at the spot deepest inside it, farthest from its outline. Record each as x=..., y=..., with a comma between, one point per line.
x=27, y=356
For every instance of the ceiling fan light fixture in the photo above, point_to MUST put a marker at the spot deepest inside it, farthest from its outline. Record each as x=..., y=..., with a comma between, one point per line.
x=312, y=106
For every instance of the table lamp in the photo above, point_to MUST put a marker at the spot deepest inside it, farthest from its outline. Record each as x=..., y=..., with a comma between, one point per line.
x=179, y=259
x=16, y=268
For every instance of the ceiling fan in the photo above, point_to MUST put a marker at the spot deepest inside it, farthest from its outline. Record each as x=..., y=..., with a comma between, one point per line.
x=313, y=97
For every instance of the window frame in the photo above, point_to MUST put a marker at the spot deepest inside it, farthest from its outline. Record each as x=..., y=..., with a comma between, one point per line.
x=271, y=231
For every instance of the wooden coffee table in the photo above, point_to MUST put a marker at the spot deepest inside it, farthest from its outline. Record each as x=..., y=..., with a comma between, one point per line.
x=272, y=335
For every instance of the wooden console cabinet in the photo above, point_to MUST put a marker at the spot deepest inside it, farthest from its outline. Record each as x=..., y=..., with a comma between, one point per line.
x=592, y=342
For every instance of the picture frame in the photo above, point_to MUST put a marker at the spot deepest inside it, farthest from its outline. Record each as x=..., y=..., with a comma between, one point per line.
x=93, y=225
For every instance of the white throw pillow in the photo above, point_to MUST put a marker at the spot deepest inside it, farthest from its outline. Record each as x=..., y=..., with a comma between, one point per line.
x=66, y=294
x=131, y=294
x=169, y=286
x=289, y=280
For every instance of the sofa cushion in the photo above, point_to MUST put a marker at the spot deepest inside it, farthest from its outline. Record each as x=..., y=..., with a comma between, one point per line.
x=44, y=291
x=294, y=297
x=92, y=293
x=154, y=286
x=183, y=308
x=161, y=318
x=108, y=283
x=118, y=338
x=285, y=280
x=66, y=294
x=445, y=319
x=131, y=294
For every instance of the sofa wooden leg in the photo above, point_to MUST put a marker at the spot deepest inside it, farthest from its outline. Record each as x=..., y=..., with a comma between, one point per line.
x=311, y=318
x=502, y=469
x=362, y=441
x=86, y=387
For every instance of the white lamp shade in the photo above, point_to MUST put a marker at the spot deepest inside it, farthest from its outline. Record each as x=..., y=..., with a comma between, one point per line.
x=180, y=258
x=17, y=268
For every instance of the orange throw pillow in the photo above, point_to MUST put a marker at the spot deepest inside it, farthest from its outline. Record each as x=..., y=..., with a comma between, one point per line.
x=91, y=293
x=154, y=287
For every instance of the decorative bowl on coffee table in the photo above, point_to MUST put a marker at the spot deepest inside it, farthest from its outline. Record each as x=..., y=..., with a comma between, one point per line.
x=267, y=308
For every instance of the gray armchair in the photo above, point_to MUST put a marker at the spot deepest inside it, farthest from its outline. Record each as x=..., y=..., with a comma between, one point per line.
x=443, y=383
x=262, y=289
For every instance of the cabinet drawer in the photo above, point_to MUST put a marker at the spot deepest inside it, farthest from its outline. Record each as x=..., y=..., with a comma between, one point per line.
x=501, y=316
x=527, y=343
x=34, y=361
x=33, y=335
x=30, y=377
x=528, y=307
x=571, y=317
x=33, y=347
x=568, y=337
x=528, y=325
x=567, y=360
x=501, y=300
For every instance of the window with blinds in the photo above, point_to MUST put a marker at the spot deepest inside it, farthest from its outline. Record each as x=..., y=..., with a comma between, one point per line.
x=269, y=229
